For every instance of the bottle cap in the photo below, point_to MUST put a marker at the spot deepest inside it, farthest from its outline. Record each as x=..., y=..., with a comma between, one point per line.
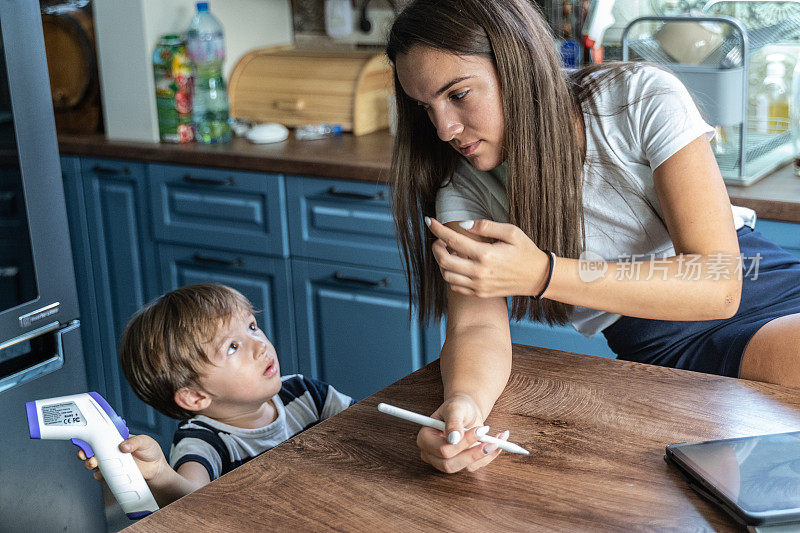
x=202, y=6
x=336, y=128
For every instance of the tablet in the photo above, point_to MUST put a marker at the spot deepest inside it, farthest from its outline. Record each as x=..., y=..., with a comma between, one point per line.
x=755, y=479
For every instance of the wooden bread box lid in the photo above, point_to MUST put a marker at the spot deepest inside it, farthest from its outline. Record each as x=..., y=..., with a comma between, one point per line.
x=297, y=87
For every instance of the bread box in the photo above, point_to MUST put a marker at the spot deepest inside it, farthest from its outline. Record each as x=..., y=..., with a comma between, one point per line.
x=297, y=87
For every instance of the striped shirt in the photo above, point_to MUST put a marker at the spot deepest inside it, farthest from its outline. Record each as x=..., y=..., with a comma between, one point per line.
x=301, y=403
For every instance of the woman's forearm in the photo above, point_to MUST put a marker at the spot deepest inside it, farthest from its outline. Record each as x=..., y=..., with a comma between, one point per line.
x=690, y=287
x=476, y=361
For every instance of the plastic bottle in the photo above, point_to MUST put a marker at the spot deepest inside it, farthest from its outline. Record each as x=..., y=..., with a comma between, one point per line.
x=317, y=131
x=172, y=75
x=205, y=46
x=772, y=102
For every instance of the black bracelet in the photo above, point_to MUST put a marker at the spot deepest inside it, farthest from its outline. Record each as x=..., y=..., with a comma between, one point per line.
x=552, y=260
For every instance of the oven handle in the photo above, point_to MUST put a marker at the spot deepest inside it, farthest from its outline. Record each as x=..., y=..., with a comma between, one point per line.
x=51, y=364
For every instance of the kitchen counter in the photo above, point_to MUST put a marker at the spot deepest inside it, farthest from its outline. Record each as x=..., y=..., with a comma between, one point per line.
x=596, y=429
x=367, y=158
x=776, y=197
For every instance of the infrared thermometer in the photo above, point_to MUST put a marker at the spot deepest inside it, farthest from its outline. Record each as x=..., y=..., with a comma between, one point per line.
x=91, y=424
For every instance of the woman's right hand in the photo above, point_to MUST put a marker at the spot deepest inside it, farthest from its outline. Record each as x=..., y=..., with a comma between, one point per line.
x=146, y=453
x=458, y=447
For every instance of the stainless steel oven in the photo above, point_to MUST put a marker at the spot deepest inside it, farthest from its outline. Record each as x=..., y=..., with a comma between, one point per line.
x=43, y=487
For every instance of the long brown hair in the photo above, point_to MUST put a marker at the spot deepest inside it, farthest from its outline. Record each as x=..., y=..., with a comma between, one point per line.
x=543, y=156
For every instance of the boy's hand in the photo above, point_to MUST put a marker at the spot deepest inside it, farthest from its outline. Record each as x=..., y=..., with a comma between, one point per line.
x=146, y=453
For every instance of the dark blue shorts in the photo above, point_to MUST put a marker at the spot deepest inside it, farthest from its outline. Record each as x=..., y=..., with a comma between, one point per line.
x=717, y=346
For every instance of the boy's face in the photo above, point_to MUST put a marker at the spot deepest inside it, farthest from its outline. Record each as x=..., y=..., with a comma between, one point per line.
x=244, y=372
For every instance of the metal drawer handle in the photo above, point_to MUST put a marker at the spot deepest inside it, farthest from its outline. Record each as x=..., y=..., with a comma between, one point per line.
x=333, y=191
x=344, y=279
x=197, y=258
x=188, y=178
x=97, y=169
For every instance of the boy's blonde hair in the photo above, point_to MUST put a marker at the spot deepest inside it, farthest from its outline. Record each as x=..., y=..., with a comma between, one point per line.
x=162, y=346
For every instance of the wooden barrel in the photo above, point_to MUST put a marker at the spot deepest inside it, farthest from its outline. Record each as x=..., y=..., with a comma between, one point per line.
x=72, y=64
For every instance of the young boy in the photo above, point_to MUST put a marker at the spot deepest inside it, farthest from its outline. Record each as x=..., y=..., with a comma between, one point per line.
x=197, y=353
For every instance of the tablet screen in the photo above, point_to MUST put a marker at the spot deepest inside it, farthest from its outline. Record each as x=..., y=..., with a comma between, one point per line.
x=757, y=473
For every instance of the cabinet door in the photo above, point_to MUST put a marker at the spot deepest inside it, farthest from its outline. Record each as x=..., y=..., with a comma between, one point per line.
x=125, y=276
x=784, y=234
x=84, y=273
x=262, y=280
x=353, y=327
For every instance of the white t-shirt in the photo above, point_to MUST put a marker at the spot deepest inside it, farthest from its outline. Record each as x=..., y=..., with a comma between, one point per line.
x=634, y=142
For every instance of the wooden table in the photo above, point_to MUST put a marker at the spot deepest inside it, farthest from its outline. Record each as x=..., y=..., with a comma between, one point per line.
x=596, y=429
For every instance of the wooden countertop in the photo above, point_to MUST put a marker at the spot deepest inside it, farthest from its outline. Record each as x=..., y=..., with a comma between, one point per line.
x=366, y=158
x=775, y=197
x=596, y=429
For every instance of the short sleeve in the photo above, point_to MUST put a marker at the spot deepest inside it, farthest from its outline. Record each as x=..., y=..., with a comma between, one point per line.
x=335, y=402
x=196, y=448
x=327, y=400
x=666, y=117
x=462, y=198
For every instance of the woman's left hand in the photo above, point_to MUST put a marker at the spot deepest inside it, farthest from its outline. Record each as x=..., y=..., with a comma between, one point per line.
x=512, y=265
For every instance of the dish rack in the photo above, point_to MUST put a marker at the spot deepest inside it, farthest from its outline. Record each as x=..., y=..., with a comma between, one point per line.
x=719, y=82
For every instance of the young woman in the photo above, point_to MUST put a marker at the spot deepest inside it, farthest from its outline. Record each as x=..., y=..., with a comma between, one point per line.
x=591, y=197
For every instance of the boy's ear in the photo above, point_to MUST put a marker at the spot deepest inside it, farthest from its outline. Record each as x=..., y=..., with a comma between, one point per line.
x=191, y=399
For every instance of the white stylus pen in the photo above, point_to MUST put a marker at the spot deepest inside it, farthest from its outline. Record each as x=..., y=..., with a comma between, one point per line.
x=438, y=424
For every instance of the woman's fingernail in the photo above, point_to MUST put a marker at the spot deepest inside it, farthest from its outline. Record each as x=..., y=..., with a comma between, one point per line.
x=489, y=448
x=454, y=437
x=428, y=221
x=505, y=435
x=482, y=431
x=467, y=224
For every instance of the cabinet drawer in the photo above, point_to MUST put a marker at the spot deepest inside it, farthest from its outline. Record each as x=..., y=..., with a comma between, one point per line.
x=342, y=221
x=262, y=280
x=239, y=211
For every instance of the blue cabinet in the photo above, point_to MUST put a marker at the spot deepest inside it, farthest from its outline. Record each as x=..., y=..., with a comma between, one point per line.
x=262, y=280
x=353, y=327
x=560, y=338
x=117, y=274
x=784, y=234
x=350, y=294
